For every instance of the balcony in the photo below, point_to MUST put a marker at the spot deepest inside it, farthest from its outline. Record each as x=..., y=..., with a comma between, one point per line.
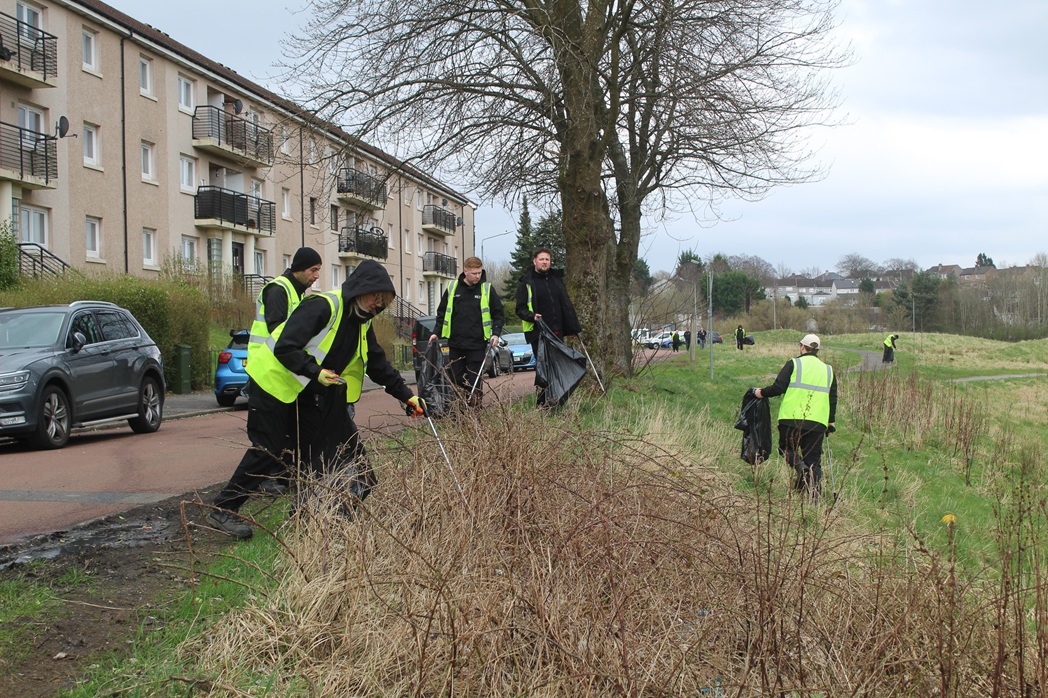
x=438, y=220
x=436, y=264
x=358, y=188
x=217, y=131
x=28, y=56
x=28, y=157
x=363, y=242
x=224, y=209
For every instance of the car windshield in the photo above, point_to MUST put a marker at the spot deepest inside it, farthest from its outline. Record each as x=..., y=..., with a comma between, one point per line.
x=514, y=338
x=30, y=329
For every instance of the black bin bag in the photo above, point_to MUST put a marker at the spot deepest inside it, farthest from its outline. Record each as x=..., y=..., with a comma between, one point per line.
x=433, y=384
x=558, y=368
x=755, y=424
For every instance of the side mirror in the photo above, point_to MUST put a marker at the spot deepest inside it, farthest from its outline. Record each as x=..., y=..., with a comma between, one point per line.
x=503, y=342
x=79, y=342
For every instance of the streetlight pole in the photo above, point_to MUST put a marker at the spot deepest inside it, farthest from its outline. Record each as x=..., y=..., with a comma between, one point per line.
x=491, y=237
x=709, y=323
x=694, y=310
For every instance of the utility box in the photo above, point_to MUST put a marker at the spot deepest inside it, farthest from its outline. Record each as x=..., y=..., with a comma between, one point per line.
x=182, y=382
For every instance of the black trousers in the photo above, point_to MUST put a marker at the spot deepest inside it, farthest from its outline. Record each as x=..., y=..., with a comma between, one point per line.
x=801, y=445
x=330, y=441
x=889, y=355
x=271, y=428
x=463, y=369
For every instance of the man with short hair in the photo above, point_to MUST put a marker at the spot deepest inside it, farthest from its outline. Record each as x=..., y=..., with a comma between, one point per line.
x=807, y=412
x=471, y=317
x=542, y=294
x=271, y=424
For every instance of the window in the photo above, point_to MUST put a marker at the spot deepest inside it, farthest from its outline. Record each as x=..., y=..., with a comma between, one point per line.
x=285, y=140
x=33, y=17
x=116, y=325
x=89, y=43
x=390, y=241
x=93, y=237
x=185, y=94
x=32, y=120
x=407, y=290
x=256, y=188
x=407, y=240
x=260, y=262
x=187, y=173
x=92, y=154
x=148, y=164
x=334, y=218
x=148, y=247
x=418, y=199
x=145, y=76
x=189, y=252
x=332, y=162
x=334, y=276
x=420, y=251
x=285, y=203
x=312, y=210
x=287, y=261
x=33, y=223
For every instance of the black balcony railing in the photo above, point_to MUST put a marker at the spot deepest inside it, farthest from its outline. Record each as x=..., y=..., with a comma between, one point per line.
x=243, y=137
x=39, y=263
x=27, y=47
x=439, y=217
x=233, y=207
x=436, y=263
x=28, y=153
x=364, y=241
x=361, y=185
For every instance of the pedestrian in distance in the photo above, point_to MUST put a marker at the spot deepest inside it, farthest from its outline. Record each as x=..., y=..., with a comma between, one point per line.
x=807, y=413
x=271, y=424
x=542, y=294
x=471, y=317
x=687, y=340
x=740, y=337
x=676, y=341
x=702, y=339
x=889, y=349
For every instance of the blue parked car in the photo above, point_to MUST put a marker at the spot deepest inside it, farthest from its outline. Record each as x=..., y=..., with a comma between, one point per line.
x=230, y=376
x=523, y=357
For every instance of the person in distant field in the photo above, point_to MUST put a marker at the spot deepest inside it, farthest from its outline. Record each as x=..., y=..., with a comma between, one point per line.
x=687, y=340
x=807, y=413
x=542, y=294
x=471, y=317
x=889, y=349
x=702, y=339
x=676, y=341
x=271, y=424
x=740, y=335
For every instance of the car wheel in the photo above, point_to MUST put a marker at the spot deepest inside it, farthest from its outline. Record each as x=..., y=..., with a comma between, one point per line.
x=54, y=421
x=226, y=400
x=150, y=408
x=494, y=370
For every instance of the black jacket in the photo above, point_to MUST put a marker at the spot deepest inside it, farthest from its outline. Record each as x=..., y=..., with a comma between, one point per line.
x=467, y=323
x=550, y=300
x=311, y=317
x=782, y=382
x=275, y=299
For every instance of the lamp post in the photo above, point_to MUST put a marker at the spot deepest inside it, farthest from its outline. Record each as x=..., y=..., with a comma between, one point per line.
x=694, y=310
x=709, y=322
x=491, y=237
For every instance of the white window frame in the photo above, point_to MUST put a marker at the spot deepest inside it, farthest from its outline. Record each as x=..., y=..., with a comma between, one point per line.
x=93, y=237
x=148, y=247
x=407, y=290
x=287, y=261
x=407, y=240
x=189, y=252
x=285, y=140
x=92, y=146
x=89, y=51
x=187, y=167
x=186, y=94
x=256, y=187
x=148, y=161
x=285, y=204
x=29, y=213
x=32, y=15
x=260, y=262
x=31, y=119
x=335, y=282
x=145, y=76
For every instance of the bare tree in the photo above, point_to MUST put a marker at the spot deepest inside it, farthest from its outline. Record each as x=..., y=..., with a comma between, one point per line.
x=599, y=103
x=899, y=264
x=855, y=266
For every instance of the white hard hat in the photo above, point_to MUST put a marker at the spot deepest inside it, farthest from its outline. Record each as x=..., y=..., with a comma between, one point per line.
x=811, y=341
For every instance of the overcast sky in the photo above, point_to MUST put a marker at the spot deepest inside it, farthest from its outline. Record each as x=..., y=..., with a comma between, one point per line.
x=944, y=153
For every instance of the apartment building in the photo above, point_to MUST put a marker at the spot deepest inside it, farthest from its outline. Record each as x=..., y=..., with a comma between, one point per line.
x=124, y=150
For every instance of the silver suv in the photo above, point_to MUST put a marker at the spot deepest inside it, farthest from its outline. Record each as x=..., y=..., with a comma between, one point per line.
x=76, y=365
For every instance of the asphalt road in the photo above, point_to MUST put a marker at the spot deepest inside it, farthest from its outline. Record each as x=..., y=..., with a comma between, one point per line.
x=107, y=471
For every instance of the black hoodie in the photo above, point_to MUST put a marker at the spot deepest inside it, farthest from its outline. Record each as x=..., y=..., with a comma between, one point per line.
x=314, y=313
x=550, y=300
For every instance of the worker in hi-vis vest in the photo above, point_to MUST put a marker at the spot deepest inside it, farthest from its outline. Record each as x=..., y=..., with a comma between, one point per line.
x=271, y=424
x=470, y=317
x=807, y=412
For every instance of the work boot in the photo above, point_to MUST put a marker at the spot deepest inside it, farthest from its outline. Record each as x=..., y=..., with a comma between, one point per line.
x=272, y=488
x=228, y=523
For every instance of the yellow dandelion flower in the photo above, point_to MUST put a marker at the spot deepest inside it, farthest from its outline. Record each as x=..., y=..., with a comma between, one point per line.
x=949, y=519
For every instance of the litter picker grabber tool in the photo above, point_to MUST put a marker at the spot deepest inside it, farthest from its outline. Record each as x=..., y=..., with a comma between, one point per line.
x=483, y=365
x=412, y=412
x=595, y=374
x=829, y=468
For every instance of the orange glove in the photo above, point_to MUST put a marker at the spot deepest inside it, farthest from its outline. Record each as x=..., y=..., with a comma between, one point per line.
x=416, y=406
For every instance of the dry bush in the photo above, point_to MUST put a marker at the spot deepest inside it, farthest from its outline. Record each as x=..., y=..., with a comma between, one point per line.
x=606, y=562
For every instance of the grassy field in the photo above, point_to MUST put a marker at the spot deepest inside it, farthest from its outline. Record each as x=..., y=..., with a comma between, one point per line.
x=620, y=546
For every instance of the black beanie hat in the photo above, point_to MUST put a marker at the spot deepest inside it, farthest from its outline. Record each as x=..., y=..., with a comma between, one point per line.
x=305, y=258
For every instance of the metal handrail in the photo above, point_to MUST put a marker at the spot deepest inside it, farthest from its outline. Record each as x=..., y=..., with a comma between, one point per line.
x=28, y=153
x=440, y=264
x=440, y=217
x=234, y=132
x=27, y=47
x=253, y=283
x=233, y=207
x=361, y=184
x=37, y=261
x=364, y=241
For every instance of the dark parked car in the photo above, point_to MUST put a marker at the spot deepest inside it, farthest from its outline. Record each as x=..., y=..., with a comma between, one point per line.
x=66, y=366
x=230, y=376
x=500, y=361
